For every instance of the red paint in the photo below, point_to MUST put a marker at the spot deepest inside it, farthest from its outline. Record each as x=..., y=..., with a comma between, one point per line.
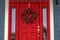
x=29, y=31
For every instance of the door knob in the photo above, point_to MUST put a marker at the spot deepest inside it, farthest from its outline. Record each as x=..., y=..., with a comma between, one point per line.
x=38, y=31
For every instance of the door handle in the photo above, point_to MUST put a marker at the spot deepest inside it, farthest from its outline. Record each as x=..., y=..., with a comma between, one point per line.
x=38, y=29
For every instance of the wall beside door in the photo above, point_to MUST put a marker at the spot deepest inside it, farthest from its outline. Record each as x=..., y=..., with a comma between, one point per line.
x=56, y=19
x=2, y=11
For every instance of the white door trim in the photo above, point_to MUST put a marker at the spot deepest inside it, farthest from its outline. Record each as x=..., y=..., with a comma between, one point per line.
x=51, y=20
x=6, y=20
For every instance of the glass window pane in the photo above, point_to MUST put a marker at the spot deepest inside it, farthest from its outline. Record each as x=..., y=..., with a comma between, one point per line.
x=13, y=22
x=44, y=23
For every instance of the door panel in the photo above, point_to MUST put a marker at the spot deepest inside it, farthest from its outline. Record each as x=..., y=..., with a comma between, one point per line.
x=28, y=31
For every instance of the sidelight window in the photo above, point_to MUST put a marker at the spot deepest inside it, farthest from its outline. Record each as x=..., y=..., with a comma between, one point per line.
x=13, y=23
x=45, y=23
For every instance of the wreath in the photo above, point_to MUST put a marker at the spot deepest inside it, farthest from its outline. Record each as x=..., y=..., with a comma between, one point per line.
x=29, y=15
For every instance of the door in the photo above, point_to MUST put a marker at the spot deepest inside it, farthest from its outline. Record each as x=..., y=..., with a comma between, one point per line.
x=28, y=30
x=28, y=20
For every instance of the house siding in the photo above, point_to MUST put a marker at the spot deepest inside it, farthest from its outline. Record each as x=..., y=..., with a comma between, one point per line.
x=2, y=11
x=56, y=20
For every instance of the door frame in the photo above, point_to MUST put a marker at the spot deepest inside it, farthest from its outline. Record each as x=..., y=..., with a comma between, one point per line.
x=51, y=20
x=42, y=4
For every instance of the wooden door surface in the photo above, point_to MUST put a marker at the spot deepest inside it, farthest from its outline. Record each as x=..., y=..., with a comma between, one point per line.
x=28, y=31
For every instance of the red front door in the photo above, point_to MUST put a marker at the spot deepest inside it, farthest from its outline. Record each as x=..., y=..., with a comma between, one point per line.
x=29, y=20
x=28, y=31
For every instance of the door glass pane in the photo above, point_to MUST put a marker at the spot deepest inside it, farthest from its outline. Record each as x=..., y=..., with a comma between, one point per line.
x=44, y=23
x=13, y=22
